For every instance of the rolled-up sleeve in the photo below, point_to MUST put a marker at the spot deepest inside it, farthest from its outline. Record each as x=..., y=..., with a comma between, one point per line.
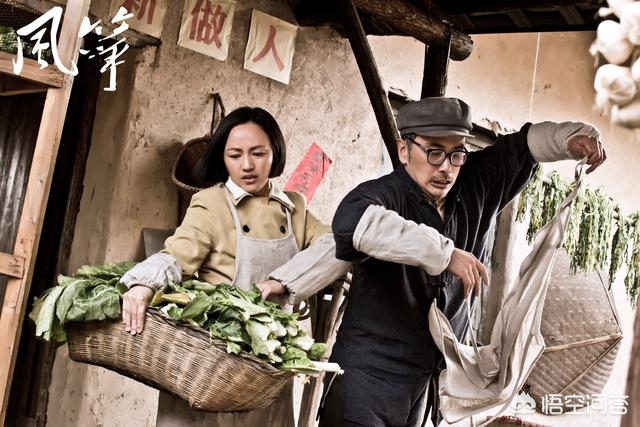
x=548, y=140
x=345, y=221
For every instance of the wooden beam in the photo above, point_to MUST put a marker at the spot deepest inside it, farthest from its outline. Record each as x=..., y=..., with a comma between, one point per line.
x=11, y=265
x=520, y=19
x=571, y=15
x=412, y=21
x=436, y=66
x=465, y=7
x=371, y=77
x=54, y=111
x=464, y=23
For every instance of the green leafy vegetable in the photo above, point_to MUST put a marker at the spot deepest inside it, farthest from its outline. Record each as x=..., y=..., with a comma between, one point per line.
x=242, y=319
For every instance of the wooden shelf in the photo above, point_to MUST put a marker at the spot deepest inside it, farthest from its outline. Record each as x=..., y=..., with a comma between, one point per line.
x=31, y=72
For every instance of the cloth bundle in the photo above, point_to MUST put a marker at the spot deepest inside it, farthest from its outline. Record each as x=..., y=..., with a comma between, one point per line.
x=480, y=378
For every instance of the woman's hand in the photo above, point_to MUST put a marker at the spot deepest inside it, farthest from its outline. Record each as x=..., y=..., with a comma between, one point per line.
x=270, y=287
x=134, y=305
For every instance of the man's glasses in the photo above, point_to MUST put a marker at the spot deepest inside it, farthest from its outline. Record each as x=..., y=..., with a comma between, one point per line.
x=437, y=156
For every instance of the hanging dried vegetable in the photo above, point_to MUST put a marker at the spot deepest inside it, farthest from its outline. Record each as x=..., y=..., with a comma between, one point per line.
x=632, y=281
x=598, y=235
x=528, y=202
x=618, y=245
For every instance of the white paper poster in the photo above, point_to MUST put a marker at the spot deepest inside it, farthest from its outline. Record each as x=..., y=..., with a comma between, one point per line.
x=206, y=26
x=148, y=15
x=270, y=47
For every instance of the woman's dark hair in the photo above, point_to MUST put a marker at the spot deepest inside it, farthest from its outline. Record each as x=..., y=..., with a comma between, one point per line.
x=210, y=169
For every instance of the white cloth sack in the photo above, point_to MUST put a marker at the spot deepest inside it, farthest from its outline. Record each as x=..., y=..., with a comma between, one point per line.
x=477, y=379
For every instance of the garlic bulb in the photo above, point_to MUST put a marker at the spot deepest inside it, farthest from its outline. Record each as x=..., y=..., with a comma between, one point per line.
x=616, y=82
x=618, y=6
x=630, y=22
x=628, y=115
x=612, y=42
x=635, y=71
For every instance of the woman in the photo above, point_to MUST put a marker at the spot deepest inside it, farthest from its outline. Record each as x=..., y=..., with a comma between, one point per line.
x=242, y=230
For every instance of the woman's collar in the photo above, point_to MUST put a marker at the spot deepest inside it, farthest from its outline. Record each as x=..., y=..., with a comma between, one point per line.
x=238, y=194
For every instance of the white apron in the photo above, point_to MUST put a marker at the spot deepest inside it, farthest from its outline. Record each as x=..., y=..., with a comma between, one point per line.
x=255, y=259
x=478, y=379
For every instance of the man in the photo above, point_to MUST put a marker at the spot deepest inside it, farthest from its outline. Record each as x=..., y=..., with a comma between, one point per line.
x=420, y=233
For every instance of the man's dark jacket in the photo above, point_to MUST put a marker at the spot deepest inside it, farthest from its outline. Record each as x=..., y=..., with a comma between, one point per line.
x=385, y=328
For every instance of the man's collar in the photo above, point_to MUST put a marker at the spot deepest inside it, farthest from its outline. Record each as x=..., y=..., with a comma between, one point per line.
x=238, y=193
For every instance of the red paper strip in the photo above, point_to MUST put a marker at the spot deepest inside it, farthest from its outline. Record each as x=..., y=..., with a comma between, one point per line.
x=309, y=173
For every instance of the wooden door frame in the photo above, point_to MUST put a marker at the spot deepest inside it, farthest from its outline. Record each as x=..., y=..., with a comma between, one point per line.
x=28, y=399
x=36, y=196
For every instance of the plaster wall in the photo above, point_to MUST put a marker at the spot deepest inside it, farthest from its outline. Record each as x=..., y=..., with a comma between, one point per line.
x=162, y=101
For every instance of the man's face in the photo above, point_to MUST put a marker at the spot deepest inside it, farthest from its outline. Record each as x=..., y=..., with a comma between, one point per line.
x=435, y=181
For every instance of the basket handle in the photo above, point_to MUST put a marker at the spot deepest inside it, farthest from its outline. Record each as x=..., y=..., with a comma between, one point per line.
x=216, y=116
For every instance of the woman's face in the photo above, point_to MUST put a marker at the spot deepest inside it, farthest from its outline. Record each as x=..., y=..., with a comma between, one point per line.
x=248, y=157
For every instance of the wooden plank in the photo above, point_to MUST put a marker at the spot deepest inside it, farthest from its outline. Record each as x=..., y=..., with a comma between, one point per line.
x=371, y=77
x=31, y=71
x=35, y=200
x=431, y=29
x=436, y=66
x=11, y=265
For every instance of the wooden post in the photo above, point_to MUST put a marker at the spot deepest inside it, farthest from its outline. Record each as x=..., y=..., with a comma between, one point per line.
x=35, y=199
x=371, y=77
x=436, y=67
x=632, y=418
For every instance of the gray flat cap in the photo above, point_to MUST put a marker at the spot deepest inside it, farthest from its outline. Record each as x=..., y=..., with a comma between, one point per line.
x=436, y=116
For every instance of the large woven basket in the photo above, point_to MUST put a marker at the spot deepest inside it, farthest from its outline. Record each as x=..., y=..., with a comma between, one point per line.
x=180, y=360
x=582, y=333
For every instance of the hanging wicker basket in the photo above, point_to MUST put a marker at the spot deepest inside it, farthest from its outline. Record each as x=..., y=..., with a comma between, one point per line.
x=582, y=333
x=190, y=153
x=181, y=360
x=188, y=157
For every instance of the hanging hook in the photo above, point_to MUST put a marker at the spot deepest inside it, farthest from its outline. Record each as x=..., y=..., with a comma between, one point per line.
x=217, y=105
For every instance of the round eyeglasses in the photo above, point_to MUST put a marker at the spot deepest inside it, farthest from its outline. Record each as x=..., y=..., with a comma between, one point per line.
x=437, y=156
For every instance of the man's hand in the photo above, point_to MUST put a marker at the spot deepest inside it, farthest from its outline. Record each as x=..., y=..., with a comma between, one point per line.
x=581, y=146
x=270, y=287
x=134, y=305
x=471, y=271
